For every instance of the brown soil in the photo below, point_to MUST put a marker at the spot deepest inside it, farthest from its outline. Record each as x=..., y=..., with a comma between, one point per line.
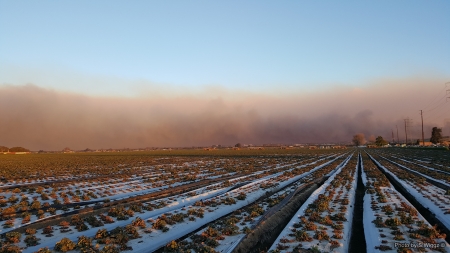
x=358, y=238
x=263, y=236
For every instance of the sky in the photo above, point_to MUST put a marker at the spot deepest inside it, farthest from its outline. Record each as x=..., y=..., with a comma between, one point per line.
x=275, y=71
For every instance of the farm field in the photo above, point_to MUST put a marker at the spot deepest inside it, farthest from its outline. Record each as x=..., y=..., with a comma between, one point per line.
x=213, y=201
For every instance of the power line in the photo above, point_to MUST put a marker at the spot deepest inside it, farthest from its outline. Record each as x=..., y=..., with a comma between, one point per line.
x=432, y=116
x=440, y=92
x=436, y=110
x=438, y=116
x=443, y=102
x=436, y=104
x=435, y=113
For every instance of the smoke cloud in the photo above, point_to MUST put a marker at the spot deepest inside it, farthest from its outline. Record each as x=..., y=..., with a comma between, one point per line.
x=40, y=118
x=359, y=139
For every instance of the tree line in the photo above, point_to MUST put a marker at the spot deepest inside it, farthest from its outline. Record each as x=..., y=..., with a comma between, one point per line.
x=359, y=139
x=13, y=149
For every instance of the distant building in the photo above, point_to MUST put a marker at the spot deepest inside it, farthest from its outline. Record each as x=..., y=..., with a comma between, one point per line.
x=426, y=144
x=67, y=150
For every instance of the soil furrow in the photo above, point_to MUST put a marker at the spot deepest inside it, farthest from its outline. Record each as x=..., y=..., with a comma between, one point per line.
x=263, y=236
x=425, y=212
x=358, y=239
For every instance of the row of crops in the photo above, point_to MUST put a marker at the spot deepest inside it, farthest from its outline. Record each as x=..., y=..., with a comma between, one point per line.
x=390, y=222
x=24, y=206
x=222, y=215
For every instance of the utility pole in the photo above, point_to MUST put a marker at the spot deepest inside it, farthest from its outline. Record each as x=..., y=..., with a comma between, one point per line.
x=407, y=124
x=421, y=116
x=393, y=139
x=448, y=90
x=398, y=141
x=406, y=133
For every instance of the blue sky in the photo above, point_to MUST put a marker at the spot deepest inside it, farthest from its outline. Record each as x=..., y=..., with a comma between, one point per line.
x=116, y=47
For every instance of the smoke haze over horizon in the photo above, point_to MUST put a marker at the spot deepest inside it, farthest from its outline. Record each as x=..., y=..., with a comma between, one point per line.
x=41, y=118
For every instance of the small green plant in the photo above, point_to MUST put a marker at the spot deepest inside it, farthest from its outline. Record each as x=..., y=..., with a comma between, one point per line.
x=315, y=249
x=246, y=230
x=65, y=245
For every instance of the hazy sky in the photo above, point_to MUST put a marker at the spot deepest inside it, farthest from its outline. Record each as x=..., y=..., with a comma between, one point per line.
x=229, y=51
x=244, y=44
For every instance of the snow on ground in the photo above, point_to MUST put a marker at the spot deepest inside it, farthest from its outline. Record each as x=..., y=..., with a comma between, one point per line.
x=440, y=213
x=122, y=193
x=224, y=210
x=158, y=239
x=423, y=175
x=429, y=161
x=45, y=242
x=374, y=208
x=421, y=165
x=282, y=239
x=229, y=242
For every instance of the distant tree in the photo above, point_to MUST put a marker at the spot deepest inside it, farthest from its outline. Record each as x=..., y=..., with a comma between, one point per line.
x=18, y=149
x=359, y=139
x=3, y=149
x=239, y=145
x=436, y=135
x=379, y=141
x=371, y=139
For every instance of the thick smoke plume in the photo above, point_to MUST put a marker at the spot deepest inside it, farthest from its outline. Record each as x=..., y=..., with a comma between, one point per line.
x=39, y=118
x=359, y=139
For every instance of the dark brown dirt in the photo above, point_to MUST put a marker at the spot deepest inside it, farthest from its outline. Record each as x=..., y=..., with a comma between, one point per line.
x=263, y=236
x=358, y=238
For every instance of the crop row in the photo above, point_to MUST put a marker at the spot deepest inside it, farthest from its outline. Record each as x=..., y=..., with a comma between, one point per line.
x=30, y=204
x=16, y=170
x=117, y=216
x=434, y=198
x=224, y=234
x=423, y=158
x=323, y=222
x=389, y=218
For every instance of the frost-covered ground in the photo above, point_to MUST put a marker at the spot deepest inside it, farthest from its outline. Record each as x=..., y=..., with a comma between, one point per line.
x=309, y=229
x=245, y=218
x=442, y=181
x=83, y=193
x=389, y=218
x=426, y=194
x=422, y=165
x=182, y=205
